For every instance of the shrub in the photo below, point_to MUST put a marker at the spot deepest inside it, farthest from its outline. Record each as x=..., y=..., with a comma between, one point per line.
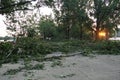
x=107, y=47
x=24, y=48
x=31, y=46
x=5, y=49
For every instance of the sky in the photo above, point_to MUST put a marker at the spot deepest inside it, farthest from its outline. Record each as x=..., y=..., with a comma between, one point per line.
x=3, y=31
x=2, y=26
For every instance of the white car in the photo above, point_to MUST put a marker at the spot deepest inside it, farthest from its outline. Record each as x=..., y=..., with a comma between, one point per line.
x=114, y=38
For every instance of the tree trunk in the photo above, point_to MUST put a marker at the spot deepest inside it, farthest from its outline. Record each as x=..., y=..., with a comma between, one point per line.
x=97, y=34
x=107, y=34
x=81, y=33
x=68, y=33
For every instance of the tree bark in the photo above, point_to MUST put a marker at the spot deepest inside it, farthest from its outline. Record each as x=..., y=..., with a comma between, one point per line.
x=97, y=34
x=81, y=33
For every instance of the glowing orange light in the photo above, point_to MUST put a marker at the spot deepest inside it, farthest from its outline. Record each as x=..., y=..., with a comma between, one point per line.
x=102, y=34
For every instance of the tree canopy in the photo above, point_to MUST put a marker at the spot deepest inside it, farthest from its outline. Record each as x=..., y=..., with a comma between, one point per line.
x=8, y=6
x=75, y=17
x=106, y=14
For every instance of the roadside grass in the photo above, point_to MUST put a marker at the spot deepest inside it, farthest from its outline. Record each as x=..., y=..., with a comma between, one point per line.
x=35, y=49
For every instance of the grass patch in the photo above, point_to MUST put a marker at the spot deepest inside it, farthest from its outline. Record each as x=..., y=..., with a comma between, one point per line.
x=12, y=71
x=29, y=66
x=56, y=63
x=28, y=74
x=65, y=76
x=38, y=67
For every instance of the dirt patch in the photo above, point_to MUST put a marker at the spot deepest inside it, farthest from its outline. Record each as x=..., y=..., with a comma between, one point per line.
x=101, y=67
